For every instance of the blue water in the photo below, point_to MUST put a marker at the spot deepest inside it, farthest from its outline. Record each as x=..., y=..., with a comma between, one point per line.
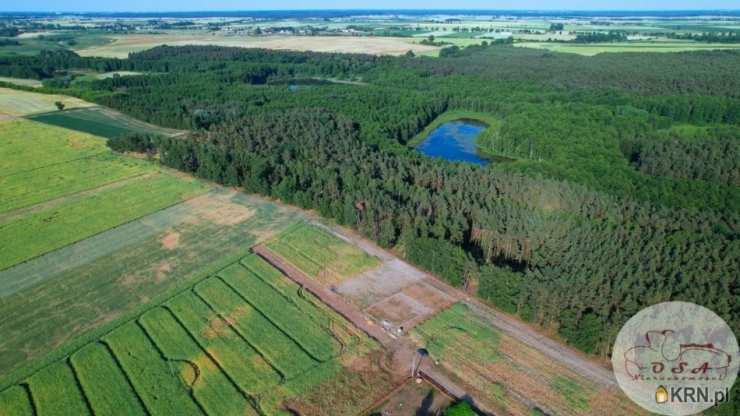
x=455, y=141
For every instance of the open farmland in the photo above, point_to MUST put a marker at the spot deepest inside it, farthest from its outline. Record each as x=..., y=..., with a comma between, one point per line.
x=26, y=188
x=591, y=49
x=239, y=342
x=101, y=122
x=48, y=229
x=27, y=146
x=123, y=45
x=102, y=278
x=507, y=375
x=320, y=254
x=22, y=103
x=45, y=164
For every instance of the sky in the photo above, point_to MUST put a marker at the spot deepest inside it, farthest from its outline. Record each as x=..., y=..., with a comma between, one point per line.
x=199, y=5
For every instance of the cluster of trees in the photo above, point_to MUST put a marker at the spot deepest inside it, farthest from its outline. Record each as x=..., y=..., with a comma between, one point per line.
x=709, y=37
x=556, y=27
x=9, y=31
x=600, y=37
x=593, y=221
x=711, y=154
x=134, y=142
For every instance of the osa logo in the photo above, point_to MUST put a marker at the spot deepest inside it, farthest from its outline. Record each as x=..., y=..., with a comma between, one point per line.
x=676, y=358
x=662, y=357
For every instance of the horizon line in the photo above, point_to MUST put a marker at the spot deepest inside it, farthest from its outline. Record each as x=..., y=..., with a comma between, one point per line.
x=378, y=9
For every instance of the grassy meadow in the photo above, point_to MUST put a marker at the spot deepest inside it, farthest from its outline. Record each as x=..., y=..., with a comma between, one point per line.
x=320, y=254
x=102, y=278
x=45, y=164
x=31, y=187
x=33, y=83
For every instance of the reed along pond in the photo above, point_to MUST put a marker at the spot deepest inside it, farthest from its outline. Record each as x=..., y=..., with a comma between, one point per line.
x=454, y=141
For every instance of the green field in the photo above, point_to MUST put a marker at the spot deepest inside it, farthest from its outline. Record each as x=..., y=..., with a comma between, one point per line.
x=26, y=146
x=320, y=254
x=49, y=229
x=100, y=122
x=231, y=344
x=30, y=187
x=456, y=333
x=46, y=171
x=104, y=277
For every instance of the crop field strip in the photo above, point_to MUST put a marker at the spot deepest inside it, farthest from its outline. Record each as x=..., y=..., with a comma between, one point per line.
x=320, y=254
x=209, y=350
x=99, y=121
x=41, y=232
x=27, y=188
x=108, y=242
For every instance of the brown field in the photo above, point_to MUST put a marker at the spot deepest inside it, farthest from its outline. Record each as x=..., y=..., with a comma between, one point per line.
x=123, y=45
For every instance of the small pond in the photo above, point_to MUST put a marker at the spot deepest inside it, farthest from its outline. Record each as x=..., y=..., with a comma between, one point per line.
x=454, y=141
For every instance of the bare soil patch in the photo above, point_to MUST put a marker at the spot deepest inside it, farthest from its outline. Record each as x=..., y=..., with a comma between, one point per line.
x=171, y=240
x=398, y=309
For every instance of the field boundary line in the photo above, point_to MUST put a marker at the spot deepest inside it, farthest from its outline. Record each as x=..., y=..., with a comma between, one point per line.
x=123, y=373
x=169, y=362
x=76, y=376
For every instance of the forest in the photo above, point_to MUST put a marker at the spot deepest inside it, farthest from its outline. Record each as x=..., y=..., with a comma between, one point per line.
x=623, y=191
